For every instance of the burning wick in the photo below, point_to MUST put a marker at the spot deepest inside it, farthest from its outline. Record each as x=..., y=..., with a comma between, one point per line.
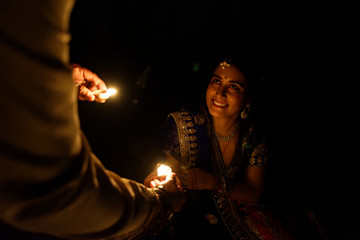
x=101, y=96
x=108, y=93
x=164, y=170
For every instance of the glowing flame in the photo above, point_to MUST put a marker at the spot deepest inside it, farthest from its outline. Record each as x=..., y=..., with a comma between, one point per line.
x=164, y=170
x=109, y=92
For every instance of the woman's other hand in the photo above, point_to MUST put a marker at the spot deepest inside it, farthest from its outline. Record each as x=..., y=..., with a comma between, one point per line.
x=197, y=179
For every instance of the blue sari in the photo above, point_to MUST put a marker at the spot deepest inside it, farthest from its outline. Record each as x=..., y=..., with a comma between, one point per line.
x=189, y=138
x=191, y=141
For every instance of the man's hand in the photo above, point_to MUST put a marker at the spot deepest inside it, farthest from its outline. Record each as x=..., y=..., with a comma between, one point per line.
x=88, y=82
x=171, y=184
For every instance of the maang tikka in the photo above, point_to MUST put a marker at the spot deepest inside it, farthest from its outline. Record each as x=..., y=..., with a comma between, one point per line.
x=224, y=64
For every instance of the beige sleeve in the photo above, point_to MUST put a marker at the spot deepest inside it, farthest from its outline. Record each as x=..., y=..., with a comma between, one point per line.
x=50, y=181
x=71, y=197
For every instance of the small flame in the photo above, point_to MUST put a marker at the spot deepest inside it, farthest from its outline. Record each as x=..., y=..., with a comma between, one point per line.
x=164, y=170
x=109, y=92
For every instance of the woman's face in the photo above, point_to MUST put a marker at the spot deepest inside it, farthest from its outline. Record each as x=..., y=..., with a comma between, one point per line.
x=226, y=93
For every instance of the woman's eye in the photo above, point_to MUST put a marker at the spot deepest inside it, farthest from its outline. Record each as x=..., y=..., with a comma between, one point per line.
x=234, y=86
x=215, y=80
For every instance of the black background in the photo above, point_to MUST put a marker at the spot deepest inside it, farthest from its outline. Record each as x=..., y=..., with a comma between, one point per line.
x=302, y=102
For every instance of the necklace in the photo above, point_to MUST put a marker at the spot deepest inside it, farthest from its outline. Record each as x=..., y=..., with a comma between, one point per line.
x=228, y=137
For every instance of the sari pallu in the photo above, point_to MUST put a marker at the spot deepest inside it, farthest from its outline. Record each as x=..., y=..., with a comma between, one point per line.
x=196, y=146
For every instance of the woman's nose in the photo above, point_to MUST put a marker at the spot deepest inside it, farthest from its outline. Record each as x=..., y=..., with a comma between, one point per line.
x=221, y=92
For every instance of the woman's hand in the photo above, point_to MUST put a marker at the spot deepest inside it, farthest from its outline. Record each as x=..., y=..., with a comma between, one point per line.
x=152, y=177
x=171, y=184
x=197, y=179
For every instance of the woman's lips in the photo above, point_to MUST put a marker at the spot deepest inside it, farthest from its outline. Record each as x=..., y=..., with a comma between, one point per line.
x=219, y=104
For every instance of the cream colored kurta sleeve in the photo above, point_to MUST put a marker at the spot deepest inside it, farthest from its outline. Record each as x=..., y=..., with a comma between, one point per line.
x=50, y=181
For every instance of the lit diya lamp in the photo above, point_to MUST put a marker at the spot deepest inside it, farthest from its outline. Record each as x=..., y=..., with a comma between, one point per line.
x=163, y=171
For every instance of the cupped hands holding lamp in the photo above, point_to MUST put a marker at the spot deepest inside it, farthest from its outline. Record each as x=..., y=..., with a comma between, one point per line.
x=161, y=177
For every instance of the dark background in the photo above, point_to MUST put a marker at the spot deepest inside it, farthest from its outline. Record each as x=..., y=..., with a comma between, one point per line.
x=157, y=54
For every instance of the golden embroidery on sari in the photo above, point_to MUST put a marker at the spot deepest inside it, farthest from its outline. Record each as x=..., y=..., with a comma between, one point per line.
x=258, y=156
x=187, y=137
x=238, y=223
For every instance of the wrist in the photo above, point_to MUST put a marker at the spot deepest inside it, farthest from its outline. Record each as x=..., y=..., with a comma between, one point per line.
x=166, y=208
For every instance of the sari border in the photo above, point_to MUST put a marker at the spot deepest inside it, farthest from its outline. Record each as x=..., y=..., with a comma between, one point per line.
x=186, y=128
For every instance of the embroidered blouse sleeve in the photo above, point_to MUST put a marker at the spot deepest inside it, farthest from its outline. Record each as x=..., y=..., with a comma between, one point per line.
x=259, y=154
x=170, y=139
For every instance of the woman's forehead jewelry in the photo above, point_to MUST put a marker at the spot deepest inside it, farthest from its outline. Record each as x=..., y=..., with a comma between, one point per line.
x=224, y=65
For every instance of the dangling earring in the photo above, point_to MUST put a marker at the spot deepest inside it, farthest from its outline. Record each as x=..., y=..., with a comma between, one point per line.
x=245, y=112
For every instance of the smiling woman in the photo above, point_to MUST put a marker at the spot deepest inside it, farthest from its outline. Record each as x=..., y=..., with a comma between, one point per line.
x=226, y=94
x=220, y=155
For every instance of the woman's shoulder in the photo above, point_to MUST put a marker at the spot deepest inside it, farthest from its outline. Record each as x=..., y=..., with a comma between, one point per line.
x=189, y=114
